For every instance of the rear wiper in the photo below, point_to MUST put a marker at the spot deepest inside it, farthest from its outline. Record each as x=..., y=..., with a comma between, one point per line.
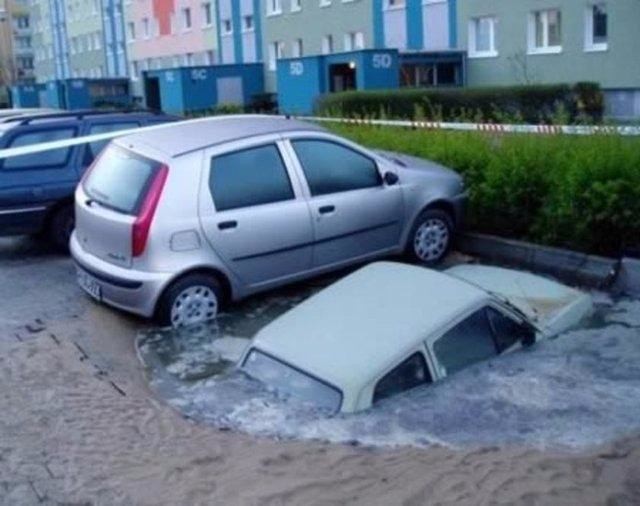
x=524, y=316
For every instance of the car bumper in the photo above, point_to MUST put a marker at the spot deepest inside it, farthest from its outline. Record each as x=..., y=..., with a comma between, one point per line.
x=130, y=290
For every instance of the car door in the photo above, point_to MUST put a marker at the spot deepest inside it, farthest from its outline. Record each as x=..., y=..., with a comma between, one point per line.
x=30, y=183
x=355, y=214
x=253, y=212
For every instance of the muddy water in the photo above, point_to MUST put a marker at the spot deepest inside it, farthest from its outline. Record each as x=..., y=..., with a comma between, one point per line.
x=577, y=390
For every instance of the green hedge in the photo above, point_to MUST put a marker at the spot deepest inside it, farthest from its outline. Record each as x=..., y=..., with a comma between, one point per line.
x=561, y=103
x=577, y=192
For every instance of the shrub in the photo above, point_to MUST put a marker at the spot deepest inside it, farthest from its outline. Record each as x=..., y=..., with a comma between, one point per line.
x=569, y=191
x=535, y=104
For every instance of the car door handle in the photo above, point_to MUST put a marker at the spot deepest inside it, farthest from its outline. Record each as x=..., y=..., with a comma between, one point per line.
x=326, y=209
x=225, y=225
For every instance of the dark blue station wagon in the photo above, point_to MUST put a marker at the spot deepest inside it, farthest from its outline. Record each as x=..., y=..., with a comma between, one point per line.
x=36, y=190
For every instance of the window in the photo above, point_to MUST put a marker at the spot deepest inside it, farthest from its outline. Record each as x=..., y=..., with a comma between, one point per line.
x=250, y=177
x=296, y=48
x=52, y=158
x=276, y=51
x=394, y=4
x=296, y=5
x=470, y=341
x=482, y=37
x=409, y=374
x=331, y=168
x=289, y=380
x=274, y=7
x=186, y=18
x=247, y=23
x=353, y=41
x=93, y=148
x=135, y=71
x=227, y=27
x=97, y=43
x=132, y=31
x=145, y=28
x=327, y=44
x=207, y=17
x=596, y=28
x=545, y=32
x=506, y=331
x=209, y=57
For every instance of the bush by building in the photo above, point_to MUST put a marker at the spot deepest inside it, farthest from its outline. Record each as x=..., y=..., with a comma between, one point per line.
x=560, y=103
x=577, y=192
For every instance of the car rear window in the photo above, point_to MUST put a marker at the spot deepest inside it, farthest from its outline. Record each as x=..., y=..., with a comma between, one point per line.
x=291, y=381
x=119, y=179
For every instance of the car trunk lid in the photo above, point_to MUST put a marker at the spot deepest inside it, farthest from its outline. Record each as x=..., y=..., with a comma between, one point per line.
x=115, y=204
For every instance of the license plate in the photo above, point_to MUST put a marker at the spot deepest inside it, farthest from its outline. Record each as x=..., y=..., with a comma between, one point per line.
x=90, y=285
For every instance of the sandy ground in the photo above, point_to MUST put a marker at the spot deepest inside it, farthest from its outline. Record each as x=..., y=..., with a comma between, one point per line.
x=79, y=426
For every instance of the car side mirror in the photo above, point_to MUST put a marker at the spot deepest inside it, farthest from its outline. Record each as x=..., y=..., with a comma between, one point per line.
x=390, y=178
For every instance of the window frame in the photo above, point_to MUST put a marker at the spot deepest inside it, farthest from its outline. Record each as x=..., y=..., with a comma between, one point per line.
x=484, y=307
x=590, y=46
x=546, y=48
x=332, y=140
x=473, y=50
x=209, y=157
x=430, y=377
x=72, y=150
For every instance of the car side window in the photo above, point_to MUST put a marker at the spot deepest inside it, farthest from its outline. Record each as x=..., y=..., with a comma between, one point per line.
x=249, y=177
x=93, y=148
x=331, y=168
x=470, y=341
x=507, y=331
x=44, y=159
x=409, y=374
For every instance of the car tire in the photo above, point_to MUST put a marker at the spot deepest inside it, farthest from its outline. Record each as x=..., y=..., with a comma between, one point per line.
x=192, y=299
x=60, y=227
x=431, y=237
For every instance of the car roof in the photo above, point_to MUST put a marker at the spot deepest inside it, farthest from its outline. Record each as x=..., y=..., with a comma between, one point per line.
x=188, y=136
x=358, y=327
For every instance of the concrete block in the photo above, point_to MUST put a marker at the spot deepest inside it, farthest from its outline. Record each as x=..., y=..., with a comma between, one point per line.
x=570, y=266
x=628, y=280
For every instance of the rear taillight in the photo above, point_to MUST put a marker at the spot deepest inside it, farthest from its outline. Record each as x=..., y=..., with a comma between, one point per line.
x=142, y=225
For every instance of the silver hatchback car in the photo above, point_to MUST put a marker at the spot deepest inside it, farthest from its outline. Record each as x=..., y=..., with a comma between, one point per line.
x=175, y=222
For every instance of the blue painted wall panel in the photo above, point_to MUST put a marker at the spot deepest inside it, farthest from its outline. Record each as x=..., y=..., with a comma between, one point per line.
x=25, y=96
x=415, y=30
x=378, y=24
x=453, y=24
x=300, y=82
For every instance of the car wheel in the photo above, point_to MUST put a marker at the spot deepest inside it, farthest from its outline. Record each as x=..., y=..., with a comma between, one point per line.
x=193, y=299
x=430, y=237
x=60, y=228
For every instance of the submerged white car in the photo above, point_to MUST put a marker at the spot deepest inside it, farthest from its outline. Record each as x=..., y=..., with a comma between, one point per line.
x=390, y=327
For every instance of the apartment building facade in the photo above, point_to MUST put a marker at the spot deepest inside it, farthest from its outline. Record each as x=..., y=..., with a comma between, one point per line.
x=79, y=39
x=423, y=31
x=16, y=43
x=169, y=34
x=555, y=41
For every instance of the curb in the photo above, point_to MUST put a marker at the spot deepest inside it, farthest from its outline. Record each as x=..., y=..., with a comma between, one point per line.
x=570, y=266
x=628, y=280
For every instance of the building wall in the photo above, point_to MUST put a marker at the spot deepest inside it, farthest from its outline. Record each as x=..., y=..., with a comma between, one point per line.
x=311, y=24
x=617, y=67
x=16, y=43
x=79, y=39
x=169, y=43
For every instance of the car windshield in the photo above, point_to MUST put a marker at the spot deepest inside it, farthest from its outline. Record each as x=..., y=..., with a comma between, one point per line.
x=291, y=381
x=119, y=179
